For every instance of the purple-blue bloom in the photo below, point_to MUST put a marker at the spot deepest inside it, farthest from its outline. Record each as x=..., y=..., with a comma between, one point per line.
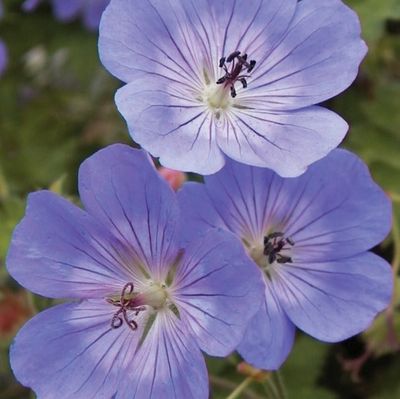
x=232, y=78
x=143, y=306
x=310, y=236
x=68, y=10
x=3, y=57
x=3, y=48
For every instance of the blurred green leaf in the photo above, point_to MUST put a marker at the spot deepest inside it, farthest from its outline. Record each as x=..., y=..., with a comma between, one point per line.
x=302, y=369
x=373, y=14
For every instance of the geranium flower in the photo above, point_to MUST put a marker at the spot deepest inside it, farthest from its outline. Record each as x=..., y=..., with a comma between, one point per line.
x=68, y=10
x=3, y=48
x=210, y=79
x=144, y=306
x=310, y=237
x=3, y=57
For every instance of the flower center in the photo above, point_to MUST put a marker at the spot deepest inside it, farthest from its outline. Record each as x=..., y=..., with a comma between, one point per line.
x=237, y=63
x=217, y=98
x=274, y=243
x=275, y=249
x=155, y=295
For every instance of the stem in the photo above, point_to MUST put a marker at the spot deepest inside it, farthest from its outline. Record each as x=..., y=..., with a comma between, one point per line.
x=270, y=389
x=228, y=385
x=31, y=302
x=279, y=384
x=240, y=388
x=396, y=245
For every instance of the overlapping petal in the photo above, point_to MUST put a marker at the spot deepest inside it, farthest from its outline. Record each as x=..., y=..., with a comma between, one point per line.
x=60, y=251
x=334, y=300
x=70, y=351
x=217, y=290
x=270, y=334
x=120, y=187
x=162, y=118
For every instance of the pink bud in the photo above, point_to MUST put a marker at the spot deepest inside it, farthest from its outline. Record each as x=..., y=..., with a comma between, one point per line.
x=175, y=178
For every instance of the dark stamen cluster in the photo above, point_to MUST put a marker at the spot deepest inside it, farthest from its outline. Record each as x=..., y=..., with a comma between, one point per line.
x=238, y=63
x=274, y=243
x=125, y=303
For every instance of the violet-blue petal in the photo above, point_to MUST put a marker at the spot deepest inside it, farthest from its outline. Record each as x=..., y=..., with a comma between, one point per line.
x=60, y=251
x=30, y=5
x=168, y=364
x=3, y=57
x=335, y=210
x=217, y=290
x=71, y=351
x=270, y=334
x=92, y=11
x=66, y=10
x=175, y=39
x=285, y=142
x=170, y=125
x=318, y=57
x=169, y=54
x=333, y=301
x=198, y=212
x=326, y=219
x=120, y=186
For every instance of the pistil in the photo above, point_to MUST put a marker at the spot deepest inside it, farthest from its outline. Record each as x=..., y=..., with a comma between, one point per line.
x=155, y=296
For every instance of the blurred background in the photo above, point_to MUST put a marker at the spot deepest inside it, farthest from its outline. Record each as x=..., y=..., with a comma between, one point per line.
x=56, y=108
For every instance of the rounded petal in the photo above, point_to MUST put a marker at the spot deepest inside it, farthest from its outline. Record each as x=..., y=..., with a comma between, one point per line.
x=284, y=142
x=163, y=120
x=92, y=13
x=120, y=186
x=335, y=210
x=30, y=5
x=318, y=58
x=60, y=251
x=168, y=364
x=217, y=289
x=70, y=351
x=269, y=336
x=333, y=301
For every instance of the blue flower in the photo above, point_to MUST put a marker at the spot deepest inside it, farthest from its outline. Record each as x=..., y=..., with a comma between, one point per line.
x=68, y=10
x=210, y=79
x=144, y=307
x=3, y=48
x=310, y=237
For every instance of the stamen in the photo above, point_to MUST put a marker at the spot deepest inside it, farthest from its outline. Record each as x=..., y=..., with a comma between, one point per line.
x=274, y=243
x=238, y=62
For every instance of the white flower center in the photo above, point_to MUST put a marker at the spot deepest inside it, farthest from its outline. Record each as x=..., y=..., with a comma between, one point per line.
x=217, y=98
x=155, y=295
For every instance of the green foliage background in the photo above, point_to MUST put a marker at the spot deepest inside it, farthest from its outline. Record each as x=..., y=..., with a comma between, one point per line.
x=56, y=108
